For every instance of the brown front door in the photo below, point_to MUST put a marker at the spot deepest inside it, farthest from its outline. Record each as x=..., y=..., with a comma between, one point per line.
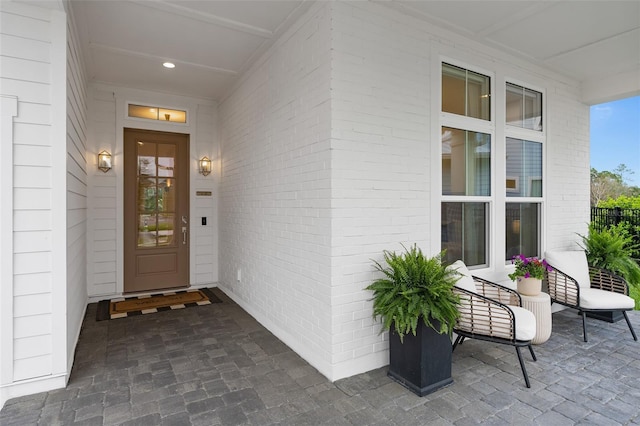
x=156, y=210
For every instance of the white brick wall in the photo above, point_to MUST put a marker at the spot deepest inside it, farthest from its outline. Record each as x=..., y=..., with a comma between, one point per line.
x=568, y=168
x=380, y=165
x=275, y=189
x=382, y=137
x=382, y=190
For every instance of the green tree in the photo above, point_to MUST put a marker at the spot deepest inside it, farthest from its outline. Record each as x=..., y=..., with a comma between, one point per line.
x=607, y=185
x=623, y=201
x=624, y=172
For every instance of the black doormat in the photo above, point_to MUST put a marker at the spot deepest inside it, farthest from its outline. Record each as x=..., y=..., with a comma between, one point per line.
x=148, y=304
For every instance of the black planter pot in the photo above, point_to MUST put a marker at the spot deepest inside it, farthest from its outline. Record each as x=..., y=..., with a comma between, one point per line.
x=423, y=362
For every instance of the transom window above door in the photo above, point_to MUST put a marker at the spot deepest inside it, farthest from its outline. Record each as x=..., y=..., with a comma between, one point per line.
x=150, y=112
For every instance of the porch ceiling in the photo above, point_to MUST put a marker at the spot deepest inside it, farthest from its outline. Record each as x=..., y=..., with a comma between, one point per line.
x=213, y=42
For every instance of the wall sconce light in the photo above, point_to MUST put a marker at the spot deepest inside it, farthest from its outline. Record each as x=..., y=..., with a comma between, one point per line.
x=104, y=161
x=205, y=166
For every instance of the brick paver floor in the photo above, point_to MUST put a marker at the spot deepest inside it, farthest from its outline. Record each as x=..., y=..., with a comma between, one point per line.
x=215, y=365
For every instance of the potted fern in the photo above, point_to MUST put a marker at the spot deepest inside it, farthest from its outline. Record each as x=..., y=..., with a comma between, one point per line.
x=415, y=300
x=611, y=249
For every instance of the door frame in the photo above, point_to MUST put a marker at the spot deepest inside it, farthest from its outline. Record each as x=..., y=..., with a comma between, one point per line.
x=179, y=278
x=122, y=122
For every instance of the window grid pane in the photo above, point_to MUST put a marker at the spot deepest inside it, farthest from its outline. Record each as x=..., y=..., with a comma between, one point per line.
x=523, y=168
x=466, y=92
x=515, y=106
x=524, y=107
x=464, y=232
x=522, y=230
x=466, y=162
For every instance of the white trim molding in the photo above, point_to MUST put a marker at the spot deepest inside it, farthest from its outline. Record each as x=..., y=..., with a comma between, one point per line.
x=8, y=110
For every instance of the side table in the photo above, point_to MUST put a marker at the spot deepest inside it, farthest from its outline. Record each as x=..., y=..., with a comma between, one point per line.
x=540, y=305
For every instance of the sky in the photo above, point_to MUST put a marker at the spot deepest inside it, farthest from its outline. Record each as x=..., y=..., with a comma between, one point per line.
x=615, y=136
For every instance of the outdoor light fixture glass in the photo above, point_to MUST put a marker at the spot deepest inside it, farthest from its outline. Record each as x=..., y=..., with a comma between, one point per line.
x=205, y=166
x=104, y=161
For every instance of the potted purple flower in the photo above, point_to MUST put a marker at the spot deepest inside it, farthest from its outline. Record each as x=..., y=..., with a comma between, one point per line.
x=529, y=274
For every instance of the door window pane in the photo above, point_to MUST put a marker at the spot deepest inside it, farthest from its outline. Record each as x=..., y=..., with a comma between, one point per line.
x=166, y=195
x=156, y=194
x=522, y=229
x=146, y=230
x=166, y=157
x=523, y=168
x=464, y=232
x=147, y=199
x=466, y=162
x=466, y=92
x=146, y=158
x=524, y=107
x=166, y=226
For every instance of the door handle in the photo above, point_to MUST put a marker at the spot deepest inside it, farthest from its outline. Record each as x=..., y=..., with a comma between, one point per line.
x=184, y=230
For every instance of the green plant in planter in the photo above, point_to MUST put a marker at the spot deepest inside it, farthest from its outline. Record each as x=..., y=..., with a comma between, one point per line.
x=611, y=249
x=414, y=287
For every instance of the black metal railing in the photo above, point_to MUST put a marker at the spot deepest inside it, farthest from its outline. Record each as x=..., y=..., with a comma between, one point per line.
x=603, y=217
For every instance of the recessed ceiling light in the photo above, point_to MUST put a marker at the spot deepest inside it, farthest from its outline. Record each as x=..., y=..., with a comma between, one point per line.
x=169, y=65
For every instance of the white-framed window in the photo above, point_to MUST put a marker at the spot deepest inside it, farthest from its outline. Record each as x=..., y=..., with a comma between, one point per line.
x=524, y=147
x=467, y=134
x=481, y=193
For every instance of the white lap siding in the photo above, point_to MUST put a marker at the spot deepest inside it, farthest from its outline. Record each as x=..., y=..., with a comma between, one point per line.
x=33, y=70
x=76, y=179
